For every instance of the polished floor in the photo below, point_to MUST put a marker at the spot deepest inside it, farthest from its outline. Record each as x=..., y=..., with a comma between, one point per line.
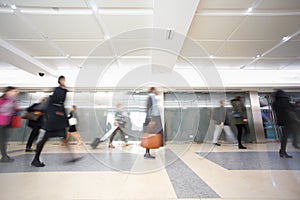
x=180, y=171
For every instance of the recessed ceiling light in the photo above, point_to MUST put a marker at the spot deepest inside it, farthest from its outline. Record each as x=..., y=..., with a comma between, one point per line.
x=13, y=6
x=211, y=56
x=94, y=8
x=106, y=37
x=286, y=38
x=257, y=56
x=249, y=10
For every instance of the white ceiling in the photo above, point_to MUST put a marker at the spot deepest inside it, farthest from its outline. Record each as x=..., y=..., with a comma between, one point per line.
x=60, y=34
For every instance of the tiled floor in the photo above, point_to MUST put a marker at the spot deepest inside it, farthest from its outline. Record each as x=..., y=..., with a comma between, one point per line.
x=180, y=171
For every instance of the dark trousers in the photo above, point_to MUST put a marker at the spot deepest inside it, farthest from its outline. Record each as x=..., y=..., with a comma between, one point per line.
x=3, y=140
x=115, y=132
x=240, y=128
x=41, y=144
x=33, y=135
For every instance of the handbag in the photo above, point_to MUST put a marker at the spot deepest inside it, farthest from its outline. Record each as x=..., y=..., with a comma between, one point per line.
x=151, y=141
x=16, y=121
x=34, y=116
x=72, y=121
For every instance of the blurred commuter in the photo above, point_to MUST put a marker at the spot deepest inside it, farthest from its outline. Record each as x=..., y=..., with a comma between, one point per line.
x=73, y=121
x=36, y=124
x=239, y=118
x=56, y=120
x=8, y=107
x=296, y=141
x=221, y=120
x=120, y=122
x=285, y=118
x=153, y=115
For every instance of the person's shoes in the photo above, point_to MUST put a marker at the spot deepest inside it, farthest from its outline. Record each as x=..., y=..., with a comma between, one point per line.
x=79, y=143
x=296, y=146
x=148, y=156
x=73, y=160
x=37, y=164
x=283, y=154
x=126, y=145
x=7, y=159
x=242, y=147
x=111, y=146
x=29, y=150
x=217, y=144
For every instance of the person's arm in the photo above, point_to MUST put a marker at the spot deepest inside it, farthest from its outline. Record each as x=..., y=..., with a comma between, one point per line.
x=31, y=108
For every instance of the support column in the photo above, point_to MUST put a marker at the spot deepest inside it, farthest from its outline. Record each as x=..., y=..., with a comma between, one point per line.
x=256, y=116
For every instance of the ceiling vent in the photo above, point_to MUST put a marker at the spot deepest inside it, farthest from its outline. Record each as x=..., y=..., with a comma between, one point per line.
x=170, y=34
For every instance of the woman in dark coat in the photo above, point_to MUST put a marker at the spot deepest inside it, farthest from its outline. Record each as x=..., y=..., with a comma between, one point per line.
x=56, y=120
x=285, y=117
x=35, y=125
x=239, y=118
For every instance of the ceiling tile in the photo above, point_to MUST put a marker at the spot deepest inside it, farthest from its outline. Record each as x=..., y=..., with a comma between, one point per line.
x=269, y=64
x=12, y=27
x=47, y=3
x=293, y=65
x=67, y=26
x=120, y=24
x=267, y=27
x=59, y=64
x=199, y=48
x=288, y=49
x=213, y=27
x=244, y=49
x=279, y=5
x=125, y=3
x=230, y=63
x=228, y=4
x=36, y=48
x=71, y=47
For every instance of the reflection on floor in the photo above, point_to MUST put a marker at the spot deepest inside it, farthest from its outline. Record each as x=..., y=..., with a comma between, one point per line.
x=180, y=171
x=254, y=160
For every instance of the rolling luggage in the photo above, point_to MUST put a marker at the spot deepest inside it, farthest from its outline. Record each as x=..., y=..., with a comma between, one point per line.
x=97, y=141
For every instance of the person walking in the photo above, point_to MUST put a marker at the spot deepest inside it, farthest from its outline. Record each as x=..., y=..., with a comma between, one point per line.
x=35, y=125
x=285, y=118
x=240, y=120
x=56, y=120
x=120, y=122
x=8, y=107
x=73, y=121
x=221, y=120
x=153, y=115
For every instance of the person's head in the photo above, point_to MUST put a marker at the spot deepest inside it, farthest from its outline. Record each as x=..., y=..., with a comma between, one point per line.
x=119, y=106
x=297, y=103
x=153, y=90
x=238, y=98
x=222, y=102
x=44, y=99
x=73, y=107
x=62, y=81
x=11, y=92
x=280, y=93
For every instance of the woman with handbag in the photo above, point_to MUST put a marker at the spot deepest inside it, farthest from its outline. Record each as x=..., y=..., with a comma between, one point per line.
x=73, y=121
x=34, y=122
x=153, y=120
x=8, y=107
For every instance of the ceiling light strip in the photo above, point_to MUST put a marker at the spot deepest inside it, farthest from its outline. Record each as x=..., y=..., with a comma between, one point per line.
x=271, y=49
